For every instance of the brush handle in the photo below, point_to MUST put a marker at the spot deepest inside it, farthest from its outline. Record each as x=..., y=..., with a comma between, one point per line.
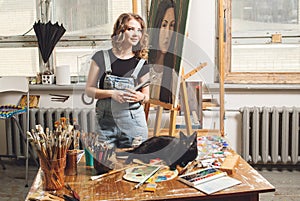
x=147, y=177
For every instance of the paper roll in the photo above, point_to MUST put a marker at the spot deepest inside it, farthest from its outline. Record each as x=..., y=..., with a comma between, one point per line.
x=63, y=75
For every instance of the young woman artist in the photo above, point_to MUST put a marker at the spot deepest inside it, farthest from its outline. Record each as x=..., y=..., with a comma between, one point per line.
x=119, y=110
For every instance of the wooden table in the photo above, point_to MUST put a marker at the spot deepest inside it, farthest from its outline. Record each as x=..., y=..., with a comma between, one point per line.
x=115, y=188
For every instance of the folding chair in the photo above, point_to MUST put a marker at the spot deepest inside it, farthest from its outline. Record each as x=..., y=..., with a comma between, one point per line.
x=11, y=111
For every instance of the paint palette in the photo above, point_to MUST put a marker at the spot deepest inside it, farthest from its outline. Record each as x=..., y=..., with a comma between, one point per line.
x=137, y=174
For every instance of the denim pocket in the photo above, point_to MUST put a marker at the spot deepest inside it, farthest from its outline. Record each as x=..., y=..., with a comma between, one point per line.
x=116, y=82
x=138, y=116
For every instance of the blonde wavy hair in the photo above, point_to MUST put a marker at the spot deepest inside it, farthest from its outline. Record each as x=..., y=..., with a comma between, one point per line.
x=120, y=26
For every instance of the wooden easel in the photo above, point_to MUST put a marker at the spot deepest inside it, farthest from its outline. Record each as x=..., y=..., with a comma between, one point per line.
x=174, y=107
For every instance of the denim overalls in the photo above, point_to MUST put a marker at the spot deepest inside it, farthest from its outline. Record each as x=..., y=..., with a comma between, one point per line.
x=120, y=123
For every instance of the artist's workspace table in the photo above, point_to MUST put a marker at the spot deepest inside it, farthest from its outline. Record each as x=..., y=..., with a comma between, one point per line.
x=114, y=187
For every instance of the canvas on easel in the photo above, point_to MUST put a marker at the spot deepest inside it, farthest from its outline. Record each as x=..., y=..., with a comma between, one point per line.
x=194, y=97
x=166, y=25
x=174, y=110
x=185, y=105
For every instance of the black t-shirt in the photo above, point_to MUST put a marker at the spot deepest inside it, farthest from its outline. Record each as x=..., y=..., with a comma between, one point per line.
x=119, y=67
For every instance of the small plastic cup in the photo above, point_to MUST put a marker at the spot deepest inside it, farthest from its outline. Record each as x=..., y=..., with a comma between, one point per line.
x=89, y=159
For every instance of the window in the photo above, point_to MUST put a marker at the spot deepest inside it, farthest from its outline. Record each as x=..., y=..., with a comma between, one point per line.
x=265, y=44
x=17, y=17
x=88, y=26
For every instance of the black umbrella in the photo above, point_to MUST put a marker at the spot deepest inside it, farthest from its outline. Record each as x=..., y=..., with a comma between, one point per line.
x=48, y=35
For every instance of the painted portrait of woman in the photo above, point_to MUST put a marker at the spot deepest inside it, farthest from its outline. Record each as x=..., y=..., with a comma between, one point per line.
x=167, y=21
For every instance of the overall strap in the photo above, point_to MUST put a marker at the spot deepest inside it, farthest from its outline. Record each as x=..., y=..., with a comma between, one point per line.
x=138, y=68
x=108, y=70
x=107, y=62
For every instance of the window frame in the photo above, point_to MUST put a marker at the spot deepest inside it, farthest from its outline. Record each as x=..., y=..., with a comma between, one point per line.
x=65, y=41
x=248, y=77
x=93, y=41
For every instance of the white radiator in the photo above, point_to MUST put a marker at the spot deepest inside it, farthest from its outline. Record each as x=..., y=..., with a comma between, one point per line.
x=270, y=135
x=46, y=117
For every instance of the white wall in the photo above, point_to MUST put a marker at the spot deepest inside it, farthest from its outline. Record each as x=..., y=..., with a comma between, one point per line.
x=199, y=45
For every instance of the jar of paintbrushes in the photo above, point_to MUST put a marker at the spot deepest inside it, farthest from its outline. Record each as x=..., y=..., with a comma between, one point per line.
x=102, y=157
x=52, y=147
x=100, y=152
